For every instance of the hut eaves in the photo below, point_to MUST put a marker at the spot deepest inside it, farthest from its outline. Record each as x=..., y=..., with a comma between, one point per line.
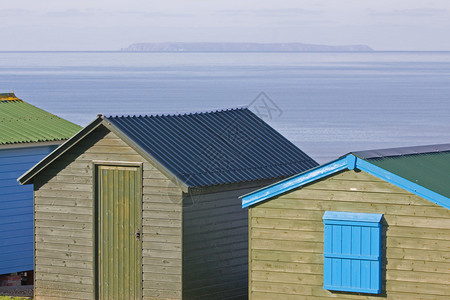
x=422, y=170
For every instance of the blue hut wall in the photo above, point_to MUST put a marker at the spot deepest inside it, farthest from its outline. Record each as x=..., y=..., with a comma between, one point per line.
x=16, y=208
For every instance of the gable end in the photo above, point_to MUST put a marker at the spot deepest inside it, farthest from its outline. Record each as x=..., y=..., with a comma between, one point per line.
x=349, y=162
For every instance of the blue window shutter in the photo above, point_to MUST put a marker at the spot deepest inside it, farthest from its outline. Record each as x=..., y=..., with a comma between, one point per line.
x=352, y=252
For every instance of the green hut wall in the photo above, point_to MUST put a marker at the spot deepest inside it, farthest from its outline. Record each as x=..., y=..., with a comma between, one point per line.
x=65, y=222
x=194, y=244
x=286, y=240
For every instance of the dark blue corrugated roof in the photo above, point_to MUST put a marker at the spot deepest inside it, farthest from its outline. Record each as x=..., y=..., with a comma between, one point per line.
x=211, y=148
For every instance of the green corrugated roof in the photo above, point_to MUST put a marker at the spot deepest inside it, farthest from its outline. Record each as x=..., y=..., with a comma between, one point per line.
x=428, y=166
x=21, y=122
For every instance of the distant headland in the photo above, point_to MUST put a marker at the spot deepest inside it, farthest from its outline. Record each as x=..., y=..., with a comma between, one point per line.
x=242, y=47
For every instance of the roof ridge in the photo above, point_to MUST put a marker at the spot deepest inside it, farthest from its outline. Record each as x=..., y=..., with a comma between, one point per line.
x=402, y=151
x=178, y=114
x=182, y=149
x=6, y=97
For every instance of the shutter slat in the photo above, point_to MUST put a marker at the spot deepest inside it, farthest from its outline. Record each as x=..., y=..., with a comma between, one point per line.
x=352, y=252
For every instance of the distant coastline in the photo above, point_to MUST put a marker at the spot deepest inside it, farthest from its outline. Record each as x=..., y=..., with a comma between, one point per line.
x=242, y=47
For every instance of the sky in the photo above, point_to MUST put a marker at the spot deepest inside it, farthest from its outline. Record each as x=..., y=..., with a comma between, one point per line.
x=95, y=25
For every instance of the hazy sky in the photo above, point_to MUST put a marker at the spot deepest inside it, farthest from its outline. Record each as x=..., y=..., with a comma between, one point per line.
x=113, y=24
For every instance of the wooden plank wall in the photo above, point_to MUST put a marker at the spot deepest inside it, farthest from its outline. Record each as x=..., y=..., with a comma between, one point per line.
x=64, y=225
x=286, y=240
x=16, y=208
x=215, y=245
x=162, y=237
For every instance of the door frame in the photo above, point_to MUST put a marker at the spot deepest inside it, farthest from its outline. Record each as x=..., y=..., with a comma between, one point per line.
x=95, y=166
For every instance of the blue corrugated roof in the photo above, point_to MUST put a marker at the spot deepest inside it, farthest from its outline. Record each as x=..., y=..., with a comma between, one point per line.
x=211, y=148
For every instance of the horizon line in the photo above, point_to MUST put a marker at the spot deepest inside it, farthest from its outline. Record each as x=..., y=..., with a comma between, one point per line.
x=124, y=51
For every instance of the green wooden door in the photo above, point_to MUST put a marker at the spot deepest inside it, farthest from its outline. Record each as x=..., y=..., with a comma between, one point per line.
x=119, y=273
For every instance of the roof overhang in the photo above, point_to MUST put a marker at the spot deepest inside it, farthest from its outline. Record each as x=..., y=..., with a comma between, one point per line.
x=348, y=162
x=31, y=144
x=27, y=178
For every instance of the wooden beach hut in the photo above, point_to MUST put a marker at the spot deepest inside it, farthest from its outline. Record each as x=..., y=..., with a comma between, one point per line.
x=147, y=206
x=368, y=225
x=27, y=134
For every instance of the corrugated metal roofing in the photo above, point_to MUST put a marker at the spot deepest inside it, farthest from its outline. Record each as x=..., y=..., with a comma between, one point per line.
x=21, y=122
x=428, y=166
x=218, y=147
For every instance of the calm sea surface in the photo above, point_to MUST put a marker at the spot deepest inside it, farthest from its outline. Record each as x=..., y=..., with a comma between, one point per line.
x=328, y=104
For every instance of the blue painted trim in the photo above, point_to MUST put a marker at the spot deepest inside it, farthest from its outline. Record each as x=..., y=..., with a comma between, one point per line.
x=294, y=182
x=403, y=183
x=348, y=289
x=351, y=223
x=350, y=256
x=352, y=216
x=349, y=162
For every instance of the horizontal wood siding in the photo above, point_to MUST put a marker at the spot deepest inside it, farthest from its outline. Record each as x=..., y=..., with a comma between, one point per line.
x=215, y=244
x=161, y=236
x=64, y=223
x=16, y=208
x=286, y=238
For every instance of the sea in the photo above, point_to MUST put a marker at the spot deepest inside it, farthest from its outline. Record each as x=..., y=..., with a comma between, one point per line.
x=328, y=104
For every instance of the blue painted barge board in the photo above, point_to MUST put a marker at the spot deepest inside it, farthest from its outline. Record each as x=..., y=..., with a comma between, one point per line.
x=348, y=162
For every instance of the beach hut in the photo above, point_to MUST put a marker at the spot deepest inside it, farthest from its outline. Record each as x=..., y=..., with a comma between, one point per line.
x=27, y=134
x=147, y=206
x=370, y=224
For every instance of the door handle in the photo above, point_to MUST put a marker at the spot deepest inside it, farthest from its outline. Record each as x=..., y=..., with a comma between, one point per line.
x=138, y=235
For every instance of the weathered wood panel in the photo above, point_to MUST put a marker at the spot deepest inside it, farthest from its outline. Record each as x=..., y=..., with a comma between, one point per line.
x=286, y=238
x=64, y=198
x=215, y=240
